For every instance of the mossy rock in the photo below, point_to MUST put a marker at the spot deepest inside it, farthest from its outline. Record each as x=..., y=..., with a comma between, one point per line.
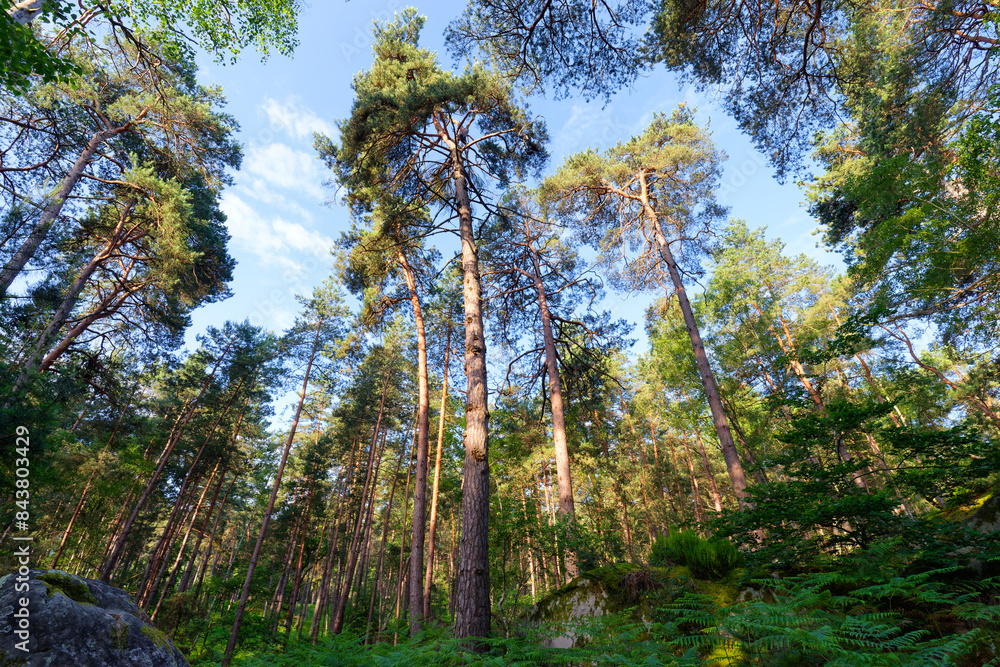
x=632, y=591
x=987, y=517
x=79, y=622
x=156, y=636
x=620, y=588
x=73, y=587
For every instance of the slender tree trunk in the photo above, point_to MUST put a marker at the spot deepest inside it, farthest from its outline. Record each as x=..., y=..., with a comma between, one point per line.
x=699, y=511
x=228, y=657
x=54, y=206
x=86, y=488
x=298, y=566
x=112, y=559
x=180, y=552
x=62, y=313
x=163, y=546
x=429, y=574
x=735, y=468
x=352, y=558
x=423, y=433
x=323, y=599
x=196, y=551
x=385, y=533
x=402, y=549
x=716, y=496
x=211, y=538
x=563, y=474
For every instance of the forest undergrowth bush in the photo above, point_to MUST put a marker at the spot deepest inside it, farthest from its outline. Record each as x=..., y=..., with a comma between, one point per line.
x=708, y=559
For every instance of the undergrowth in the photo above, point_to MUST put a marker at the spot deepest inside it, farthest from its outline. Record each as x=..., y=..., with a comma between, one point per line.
x=888, y=606
x=708, y=559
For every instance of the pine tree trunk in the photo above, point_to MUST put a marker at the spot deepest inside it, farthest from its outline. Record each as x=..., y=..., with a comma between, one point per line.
x=244, y=596
x=163, y=546
x=196, y=551
x=54, y=206
x=112, y=559
x=563, y=475
x=429, y=574
x=735, y=468
x=716, y=496
x=323, y=599
x=180, y=552
x=472, y=612
x=90, y=481
x=352, y=559
x=385, y=533
x=423, y=433
x=402, y=549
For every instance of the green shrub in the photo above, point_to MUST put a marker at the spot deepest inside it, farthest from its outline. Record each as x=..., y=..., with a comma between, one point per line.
x=708, y=559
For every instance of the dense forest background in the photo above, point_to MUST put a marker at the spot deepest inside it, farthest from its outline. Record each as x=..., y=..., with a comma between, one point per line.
x=472, y=429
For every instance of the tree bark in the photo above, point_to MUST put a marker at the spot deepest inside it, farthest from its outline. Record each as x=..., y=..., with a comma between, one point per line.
x=429, y=574
x=324, y=591
x=162, y=547
x=25, y=11
x=472, y=612
x=563, y=474
x=86, y=489
x=385, y=535
x=352, y=557
x=423, y=432
x=735, y=468
x=112, y=559
x=52, y=209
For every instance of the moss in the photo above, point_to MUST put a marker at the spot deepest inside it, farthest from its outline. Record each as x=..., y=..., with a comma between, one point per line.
x=72, y=587
x=156, y=636
x=119, y=632
x=725, y=591
x=14, y=661
x=987, y=514
x=611, y=575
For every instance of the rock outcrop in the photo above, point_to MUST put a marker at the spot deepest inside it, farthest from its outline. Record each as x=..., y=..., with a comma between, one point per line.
x=987, y=517
x=76, y=622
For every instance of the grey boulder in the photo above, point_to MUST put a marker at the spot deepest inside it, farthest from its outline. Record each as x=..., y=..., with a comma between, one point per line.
x=77, y=622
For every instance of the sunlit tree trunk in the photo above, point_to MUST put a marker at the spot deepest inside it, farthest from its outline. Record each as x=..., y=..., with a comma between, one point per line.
x=472, y=611
x=429, y=574
x=563, y=475
x=423, y=433
x=735, y=468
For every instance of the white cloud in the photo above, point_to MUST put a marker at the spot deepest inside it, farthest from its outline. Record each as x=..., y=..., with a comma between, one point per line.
x=284, y=167
x=295, y=119
x=276, y=241
x=259, y=189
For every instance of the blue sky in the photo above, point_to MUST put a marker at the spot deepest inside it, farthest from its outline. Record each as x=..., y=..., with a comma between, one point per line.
x=283, y=219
